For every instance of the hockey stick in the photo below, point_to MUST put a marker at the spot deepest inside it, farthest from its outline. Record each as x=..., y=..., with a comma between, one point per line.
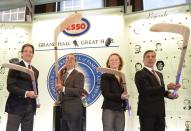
x=29, y=72
x=74, y=18
x=122, y=75
x=180, y=29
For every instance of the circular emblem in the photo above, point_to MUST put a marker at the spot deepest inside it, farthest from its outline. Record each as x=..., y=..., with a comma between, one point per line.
x=85, y=64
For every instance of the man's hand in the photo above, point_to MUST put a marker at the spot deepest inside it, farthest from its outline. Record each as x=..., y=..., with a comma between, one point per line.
x=173, y=86
x=31, y=94
x=59, y=87
x=57, y=103
x=124, y=95
x=173, y=96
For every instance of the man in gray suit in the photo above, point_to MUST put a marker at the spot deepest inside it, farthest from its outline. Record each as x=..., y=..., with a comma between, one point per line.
x=71, y=88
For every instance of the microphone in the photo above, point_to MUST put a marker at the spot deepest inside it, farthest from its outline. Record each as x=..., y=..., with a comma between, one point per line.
x=14, y=61
x=108, y=41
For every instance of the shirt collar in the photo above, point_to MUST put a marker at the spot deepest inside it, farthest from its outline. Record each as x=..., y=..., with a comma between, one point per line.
x=26, y=63
x=148, y=68
x=70, y=71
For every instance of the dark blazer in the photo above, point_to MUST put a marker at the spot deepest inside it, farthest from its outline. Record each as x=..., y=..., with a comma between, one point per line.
x=111, y=90
x=71, y=103
x=17, y=84
x=151, y=94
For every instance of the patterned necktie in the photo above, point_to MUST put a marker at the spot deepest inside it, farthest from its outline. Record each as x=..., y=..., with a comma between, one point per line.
x=156, y=76
x=64, y=77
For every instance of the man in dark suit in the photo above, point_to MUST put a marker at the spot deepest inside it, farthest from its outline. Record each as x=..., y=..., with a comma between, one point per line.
x=151, y=89
x=21, y=104
x=71, y=88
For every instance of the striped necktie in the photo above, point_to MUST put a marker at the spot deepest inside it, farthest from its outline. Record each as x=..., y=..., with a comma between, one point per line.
x=64, y=77
x=156, y=76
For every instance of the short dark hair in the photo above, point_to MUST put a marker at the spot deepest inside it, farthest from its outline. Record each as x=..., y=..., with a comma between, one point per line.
x=120, y=59
x=27, y=45
x=160, y=62
x=148, y=51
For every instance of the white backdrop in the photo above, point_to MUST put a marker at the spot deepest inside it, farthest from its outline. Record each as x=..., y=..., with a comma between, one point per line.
x=127, y=31
x=12, y=37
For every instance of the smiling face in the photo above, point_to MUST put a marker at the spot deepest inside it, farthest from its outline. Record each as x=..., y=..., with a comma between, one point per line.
x=149, y=59
x=70, y=61
x=114, y=62
x=27, y=54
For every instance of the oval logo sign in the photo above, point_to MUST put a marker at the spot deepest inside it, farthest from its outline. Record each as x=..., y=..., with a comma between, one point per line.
x=78, y=28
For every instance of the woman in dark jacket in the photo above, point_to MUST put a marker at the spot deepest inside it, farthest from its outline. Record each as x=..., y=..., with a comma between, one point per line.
x=113, y=117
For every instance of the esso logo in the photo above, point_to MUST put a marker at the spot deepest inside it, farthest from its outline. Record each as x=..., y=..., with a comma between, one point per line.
x=77, y=28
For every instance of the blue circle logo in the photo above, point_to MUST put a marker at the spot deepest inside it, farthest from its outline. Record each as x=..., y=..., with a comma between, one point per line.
x=85, y=64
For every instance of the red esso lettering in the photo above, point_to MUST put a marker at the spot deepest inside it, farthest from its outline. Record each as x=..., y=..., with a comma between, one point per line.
x=76, y=27
x=83, y=26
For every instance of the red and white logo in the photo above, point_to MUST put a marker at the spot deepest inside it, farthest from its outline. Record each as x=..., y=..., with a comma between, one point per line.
x=78, y=28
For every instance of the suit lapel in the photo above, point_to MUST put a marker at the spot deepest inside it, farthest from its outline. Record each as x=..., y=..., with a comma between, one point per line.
x=35, y=73
x=161, y=78
x=32, y=67
x=25, y=75
x=151, y=75
x=22, y=63
x=70, y=77
x=115, y=79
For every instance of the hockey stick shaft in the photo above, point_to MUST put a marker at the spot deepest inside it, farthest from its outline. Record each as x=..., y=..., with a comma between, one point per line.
x=122, y=75
x=74, y=18
x=29, y=72
x=180, y=29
